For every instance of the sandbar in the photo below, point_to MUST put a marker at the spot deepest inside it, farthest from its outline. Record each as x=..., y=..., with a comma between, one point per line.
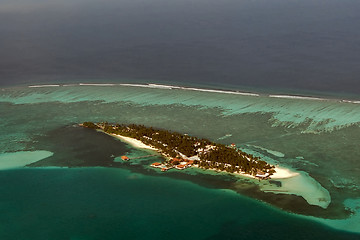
x=282, y=173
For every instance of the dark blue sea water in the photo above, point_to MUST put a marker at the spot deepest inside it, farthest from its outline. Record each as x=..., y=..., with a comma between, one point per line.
x=297, y=45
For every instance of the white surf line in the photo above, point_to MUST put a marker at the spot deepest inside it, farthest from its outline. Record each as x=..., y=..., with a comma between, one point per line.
x=349, y=101
x=134, y=85
x=221, y=91
x=160, y=86
x=150, y=85
x=297, y=97
x=163, y=86
x=97, y=84
x=47, y=85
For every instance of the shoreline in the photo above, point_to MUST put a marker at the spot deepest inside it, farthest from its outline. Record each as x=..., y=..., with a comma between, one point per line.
x=134, y=142
x=281, y=172
x=291, y=182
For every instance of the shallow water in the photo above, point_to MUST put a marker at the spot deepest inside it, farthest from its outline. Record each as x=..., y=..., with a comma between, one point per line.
x=317, y=137
x=22, y=158
x=313, y=115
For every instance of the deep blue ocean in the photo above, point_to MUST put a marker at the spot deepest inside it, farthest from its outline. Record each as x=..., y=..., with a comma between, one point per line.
x=74, y=187
x=278, y=45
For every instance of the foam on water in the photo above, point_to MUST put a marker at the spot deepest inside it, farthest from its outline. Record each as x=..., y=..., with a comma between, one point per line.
x=46, y=85
x=348, y=101
x=160, y=86
x=97, y=84
x=297, y=97
x=315, y=115
x=21, y=159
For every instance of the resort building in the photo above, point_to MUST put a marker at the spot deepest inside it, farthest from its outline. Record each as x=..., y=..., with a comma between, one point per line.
x=156, y=165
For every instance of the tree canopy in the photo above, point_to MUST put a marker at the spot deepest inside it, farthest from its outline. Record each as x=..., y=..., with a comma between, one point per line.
x=174, y=144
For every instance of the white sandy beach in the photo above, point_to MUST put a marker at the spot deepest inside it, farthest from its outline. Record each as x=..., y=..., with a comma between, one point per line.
x=292, y=182
x=282, y=173
x=134, y=142
x=300, y=184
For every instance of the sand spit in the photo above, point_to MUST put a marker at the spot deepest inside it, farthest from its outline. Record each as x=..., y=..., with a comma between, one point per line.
x=282, y=173
x=292, y=182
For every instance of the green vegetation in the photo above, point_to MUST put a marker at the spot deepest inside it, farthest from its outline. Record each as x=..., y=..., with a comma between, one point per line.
x=90, y=125
x=172, y=144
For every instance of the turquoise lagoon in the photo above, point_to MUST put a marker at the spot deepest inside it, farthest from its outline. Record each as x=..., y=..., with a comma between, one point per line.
x=73, y=187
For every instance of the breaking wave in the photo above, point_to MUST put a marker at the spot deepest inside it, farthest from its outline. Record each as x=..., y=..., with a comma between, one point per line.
x=298, y=97
x=46, y=85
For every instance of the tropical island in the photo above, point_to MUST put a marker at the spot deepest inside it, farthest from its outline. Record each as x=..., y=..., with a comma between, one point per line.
x=182, y=151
